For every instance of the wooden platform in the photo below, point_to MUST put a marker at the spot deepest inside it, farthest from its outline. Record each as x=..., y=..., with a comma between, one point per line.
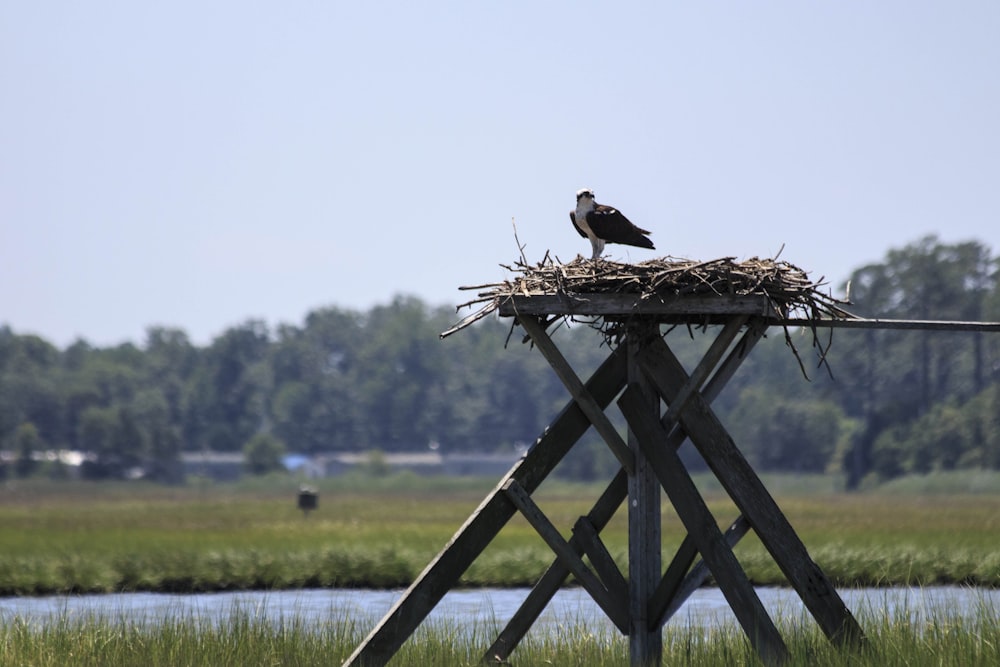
x=677, y=308
x=663, y=406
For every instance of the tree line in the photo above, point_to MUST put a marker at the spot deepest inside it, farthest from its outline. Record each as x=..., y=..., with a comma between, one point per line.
x=893, y=402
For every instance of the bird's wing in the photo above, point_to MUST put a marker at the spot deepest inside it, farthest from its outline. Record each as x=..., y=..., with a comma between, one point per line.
x=609, y=224
x=572, y=217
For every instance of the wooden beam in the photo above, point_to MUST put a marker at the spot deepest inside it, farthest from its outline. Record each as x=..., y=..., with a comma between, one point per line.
x=670, y=583
x=606, y=506
x=550, y=582
x=644, y=543
x=613, y=606
x=676, y=591
x=600, y=558
x=492, y=514
x=617, y=304
x=579, y=393
x=752, y=498
x=703, y=529
x=899, y=325
x=704, y=368
x=674, y=588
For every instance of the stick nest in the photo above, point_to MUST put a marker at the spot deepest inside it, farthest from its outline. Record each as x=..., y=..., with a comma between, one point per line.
x=788, y=288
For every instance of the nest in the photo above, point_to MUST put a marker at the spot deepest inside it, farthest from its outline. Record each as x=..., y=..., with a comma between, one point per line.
x=787, y=288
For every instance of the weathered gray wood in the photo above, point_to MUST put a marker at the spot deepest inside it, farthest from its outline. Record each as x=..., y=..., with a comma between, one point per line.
x=644, y=543
x=702, y=528
x=704, y=368
x=550, y=582
x=601, y=559
x=674, y=595
x=579, y=393
x=898, y=325
x=670, y=583
x=745, y=488
x=617, y=304
x=612, y=605
x=492, y=514
x=697, y=306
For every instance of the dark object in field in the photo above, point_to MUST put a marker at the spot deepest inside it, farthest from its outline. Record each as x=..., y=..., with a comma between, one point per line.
x=308, y=500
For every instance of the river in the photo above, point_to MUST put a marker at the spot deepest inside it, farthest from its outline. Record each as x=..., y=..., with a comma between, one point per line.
x=707, y=608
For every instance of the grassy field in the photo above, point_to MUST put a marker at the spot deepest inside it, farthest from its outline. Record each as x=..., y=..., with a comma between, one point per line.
x=381, y=532
x=245, y=639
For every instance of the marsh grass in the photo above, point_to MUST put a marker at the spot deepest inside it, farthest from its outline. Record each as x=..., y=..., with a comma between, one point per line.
x=89, y=538
x=248, y=637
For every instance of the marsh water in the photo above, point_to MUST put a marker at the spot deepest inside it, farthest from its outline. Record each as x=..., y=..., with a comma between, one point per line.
x=706, y=608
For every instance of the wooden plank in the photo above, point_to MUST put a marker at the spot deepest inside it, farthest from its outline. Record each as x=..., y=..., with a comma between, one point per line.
x=633, y=304
x=579, y=393
x=697, y=576
x=644, y=543
x=600, y=558
x=478, y=531
x=705, y=366
x=670, y=583
x=703, y=529
x=550, y=582
x=614, y=607
x=748, y=492
x=669, y=591
x=605, y=508
x=898, y=325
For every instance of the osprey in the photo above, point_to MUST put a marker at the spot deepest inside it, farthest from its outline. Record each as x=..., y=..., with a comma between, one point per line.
x=604, y=224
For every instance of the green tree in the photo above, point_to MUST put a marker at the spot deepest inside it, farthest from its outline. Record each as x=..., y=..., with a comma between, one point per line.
x=160, y=435
x=894, y=377
x=230, y=389
x=28, y=443
x=30, y=379
x=97, y=437
x=263, y=453
x=788, y=434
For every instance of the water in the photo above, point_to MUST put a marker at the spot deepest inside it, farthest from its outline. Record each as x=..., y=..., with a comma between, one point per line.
x=707, y=608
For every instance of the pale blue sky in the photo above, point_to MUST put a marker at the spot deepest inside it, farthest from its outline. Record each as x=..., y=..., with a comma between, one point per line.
x=196, y=164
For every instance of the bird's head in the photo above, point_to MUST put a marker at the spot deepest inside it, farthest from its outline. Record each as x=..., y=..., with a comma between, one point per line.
x=585, y=193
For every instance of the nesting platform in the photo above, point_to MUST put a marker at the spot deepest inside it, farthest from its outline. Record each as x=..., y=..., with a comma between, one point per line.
x=664, y=406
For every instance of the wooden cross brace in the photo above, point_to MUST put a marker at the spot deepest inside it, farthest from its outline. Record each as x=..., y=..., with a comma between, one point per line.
x=638, y=606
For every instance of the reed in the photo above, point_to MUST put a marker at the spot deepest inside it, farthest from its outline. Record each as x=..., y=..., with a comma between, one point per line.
x=941, y=638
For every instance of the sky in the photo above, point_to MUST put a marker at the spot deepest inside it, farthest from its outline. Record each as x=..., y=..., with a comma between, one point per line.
x=199, y=164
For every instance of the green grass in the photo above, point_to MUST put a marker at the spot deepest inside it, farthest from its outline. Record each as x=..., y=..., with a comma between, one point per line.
x=246, y=638
x=381, y=532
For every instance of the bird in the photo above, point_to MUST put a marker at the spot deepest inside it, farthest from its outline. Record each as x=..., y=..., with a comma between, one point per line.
x=605, y=224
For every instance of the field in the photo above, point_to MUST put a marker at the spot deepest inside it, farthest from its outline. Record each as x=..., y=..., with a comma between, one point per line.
x=381, y=532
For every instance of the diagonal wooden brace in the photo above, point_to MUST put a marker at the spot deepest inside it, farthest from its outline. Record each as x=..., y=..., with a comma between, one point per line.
x=703, y=529
x=585, y=531
x=579, y=393
x=493, y=513
x=704, y=368
x=550, y=582
x=679, y=583
x=613, y=605
x=606, y=506
x=744, y=487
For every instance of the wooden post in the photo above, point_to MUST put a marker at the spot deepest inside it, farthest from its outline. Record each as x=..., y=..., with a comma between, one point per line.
x=644, y=559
